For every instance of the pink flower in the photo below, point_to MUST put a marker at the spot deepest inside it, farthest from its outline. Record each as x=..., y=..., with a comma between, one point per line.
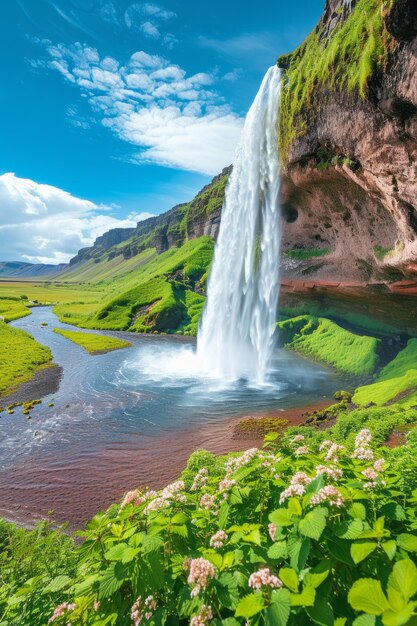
x=218, y=539
x=142, y=610
x=363, y=438
x=200, y=479
x=325, y=444
x=272, y=529
x=363, y=454
x=332, y=472
x=203, y=618
x=300, y=478
x=379, y=465
x=297, y=439
x=328, y=494
x=208, y=502
x=132, y=496
x=60, y=610
x=291, y=491
x=96, y=605
x=199, y=573
x=370, y=473
x=301, y=450
x=264, y=578
x=332, y=452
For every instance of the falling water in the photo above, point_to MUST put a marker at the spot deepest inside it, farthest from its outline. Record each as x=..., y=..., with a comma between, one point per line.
x=235, y=340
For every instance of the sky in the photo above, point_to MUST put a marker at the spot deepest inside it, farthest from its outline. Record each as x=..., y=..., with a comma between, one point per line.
x=113, y=110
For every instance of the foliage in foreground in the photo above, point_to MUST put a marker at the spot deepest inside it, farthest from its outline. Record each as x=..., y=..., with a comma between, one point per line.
x=93, y=342
x=300, y=534
x=20, y=357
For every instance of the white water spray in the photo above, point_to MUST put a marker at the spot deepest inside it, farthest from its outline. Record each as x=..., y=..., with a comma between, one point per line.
x=236, y=336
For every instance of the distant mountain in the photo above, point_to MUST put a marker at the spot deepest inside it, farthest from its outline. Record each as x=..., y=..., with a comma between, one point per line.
x=17, y=269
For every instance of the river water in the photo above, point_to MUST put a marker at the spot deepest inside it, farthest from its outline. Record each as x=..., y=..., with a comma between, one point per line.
x=119, y=418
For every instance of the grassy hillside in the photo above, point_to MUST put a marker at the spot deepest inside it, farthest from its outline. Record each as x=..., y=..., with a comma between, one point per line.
x=321, y=339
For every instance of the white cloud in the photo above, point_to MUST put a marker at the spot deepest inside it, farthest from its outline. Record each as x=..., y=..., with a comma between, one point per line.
x=150, y=30
x=173, y=119
x=44, y=224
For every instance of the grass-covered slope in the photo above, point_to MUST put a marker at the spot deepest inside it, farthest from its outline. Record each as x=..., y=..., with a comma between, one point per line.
x=20, y=358
x=164, y=294
x=344, y=59
x=13, y=308
x=323, y=340
x=92, y=342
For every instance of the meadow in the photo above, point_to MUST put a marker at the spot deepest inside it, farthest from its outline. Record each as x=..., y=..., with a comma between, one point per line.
x=92, y=342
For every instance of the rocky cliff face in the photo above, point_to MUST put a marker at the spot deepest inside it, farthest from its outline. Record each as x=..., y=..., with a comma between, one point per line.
x=349, y=190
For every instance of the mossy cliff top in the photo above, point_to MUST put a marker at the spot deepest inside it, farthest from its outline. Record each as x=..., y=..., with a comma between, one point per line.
x=350, y=43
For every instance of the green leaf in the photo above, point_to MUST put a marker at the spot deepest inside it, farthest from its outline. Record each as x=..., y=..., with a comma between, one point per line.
x=316, y=576
x=366, y=595
x=397, y=618
x=111, y=580
x=305, y=598
x=278, y=550
x=357, y=511
x=281, y=517
x=116, y=553
x=289, y=578
x=365, y=620
x=321, y=613
x=313, y=524
x=298, y=551
x=57, y=584
x=403, y=578
x=340, y=621
x=390, y=548
x=407, y=542
x=279, y=611
x=227, y=590
x=361, y=549
x=350, y=529
x=392, y=510
x=250, y=605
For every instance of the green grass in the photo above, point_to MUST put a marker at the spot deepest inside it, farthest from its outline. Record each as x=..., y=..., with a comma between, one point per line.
x=93, y=343
x=356, y=48
x=20, y=358
x=325, y=341
x=303, y=255
x=386, y=390
x=13, y=309
x=403, y=362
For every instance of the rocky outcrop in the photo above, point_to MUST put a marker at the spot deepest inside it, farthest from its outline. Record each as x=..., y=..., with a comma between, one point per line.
x=350, y=180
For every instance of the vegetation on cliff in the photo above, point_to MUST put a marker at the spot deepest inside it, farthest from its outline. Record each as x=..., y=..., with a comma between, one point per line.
x=92, y=342
x=20, y=357
x=344, y=59
x=323, y=340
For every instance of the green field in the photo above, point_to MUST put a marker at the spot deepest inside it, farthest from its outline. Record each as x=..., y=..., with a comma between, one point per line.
x=93, y=343
x=20, y=358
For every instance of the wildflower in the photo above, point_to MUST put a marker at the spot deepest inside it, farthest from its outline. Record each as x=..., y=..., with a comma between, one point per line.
x=200, y=479
x=300, y=478
x=363, y=454
x=208, y=502
x=96, y=605
x=233, y=464
x=272, y=529
x=291, y=491
x=142, y=610
x=218, y=539
x=60, y=610
x=297, y=439
x=370, y=473
x=301, y=450
x=328, y=494
x=325, y=444
x=379, y=465
x=203, y=618
x=264, y=578
x=333, y=451
x=167, y=496
x=226, y=484
x=331, y=472
x=199, y=573
x=363, y=438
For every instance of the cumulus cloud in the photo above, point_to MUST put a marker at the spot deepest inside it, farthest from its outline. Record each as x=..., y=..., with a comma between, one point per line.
x=44, y=224
x=175, y=120
x=147, y=17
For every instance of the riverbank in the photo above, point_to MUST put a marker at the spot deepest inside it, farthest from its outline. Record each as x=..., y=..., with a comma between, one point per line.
x=72, y=491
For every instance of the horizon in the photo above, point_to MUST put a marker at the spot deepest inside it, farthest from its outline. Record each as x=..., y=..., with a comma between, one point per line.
x=122, y=110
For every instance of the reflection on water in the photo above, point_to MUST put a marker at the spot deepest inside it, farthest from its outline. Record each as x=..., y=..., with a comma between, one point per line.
x=154, y=387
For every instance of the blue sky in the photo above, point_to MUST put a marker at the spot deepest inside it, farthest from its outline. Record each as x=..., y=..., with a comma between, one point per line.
x=111, y=110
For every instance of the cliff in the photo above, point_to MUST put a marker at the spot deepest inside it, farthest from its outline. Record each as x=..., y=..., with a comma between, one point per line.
x=348, y=139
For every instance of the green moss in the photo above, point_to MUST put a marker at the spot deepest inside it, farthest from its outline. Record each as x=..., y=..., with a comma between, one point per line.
x=381, y=252
x=403, y=362
x=93, y=343
x=355, y=50
x=321, y=339
x=20, y=358
x=302, y=255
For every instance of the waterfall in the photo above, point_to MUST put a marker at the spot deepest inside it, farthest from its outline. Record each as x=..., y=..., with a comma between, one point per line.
x=236, y=337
